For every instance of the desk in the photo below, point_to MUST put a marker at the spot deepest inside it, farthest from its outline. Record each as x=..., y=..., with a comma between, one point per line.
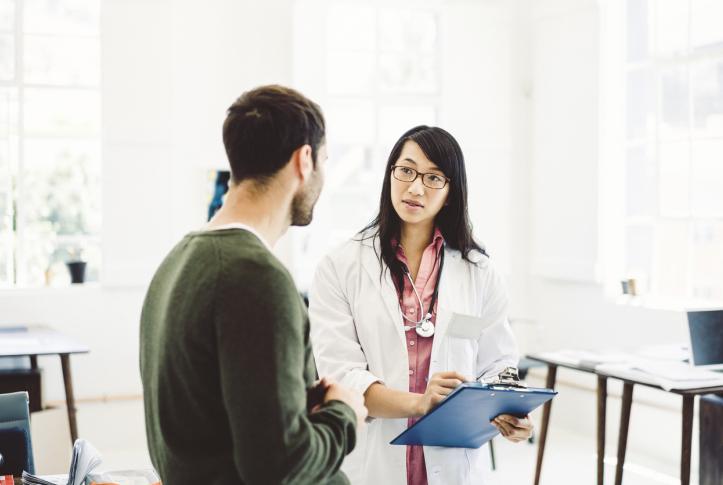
x=35, y=341
x=688, y=396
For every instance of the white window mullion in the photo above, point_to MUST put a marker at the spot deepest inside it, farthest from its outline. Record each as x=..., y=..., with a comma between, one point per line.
x=19, y=148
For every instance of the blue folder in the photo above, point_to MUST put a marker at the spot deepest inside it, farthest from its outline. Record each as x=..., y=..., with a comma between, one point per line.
x=462, y=419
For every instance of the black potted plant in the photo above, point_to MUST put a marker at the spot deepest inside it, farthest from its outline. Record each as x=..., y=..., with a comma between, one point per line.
x=76, y=266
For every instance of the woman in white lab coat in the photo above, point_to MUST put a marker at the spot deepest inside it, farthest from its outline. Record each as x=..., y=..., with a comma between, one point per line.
x=381, y=311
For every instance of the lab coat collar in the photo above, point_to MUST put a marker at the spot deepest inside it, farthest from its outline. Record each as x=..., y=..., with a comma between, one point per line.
x=453, y=268
x=388, y=293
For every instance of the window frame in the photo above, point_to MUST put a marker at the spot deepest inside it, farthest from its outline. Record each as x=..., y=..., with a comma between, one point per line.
x=18, y=163
x=616, y=144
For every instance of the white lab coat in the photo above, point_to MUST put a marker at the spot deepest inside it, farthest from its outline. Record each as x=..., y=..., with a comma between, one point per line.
x=358, y=339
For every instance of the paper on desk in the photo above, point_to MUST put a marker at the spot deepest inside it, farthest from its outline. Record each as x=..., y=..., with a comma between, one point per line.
x=587, y=358
x=85, y=459
x=45, y=479
x=668, y=375
x=671, y=352
x=678, y=371
x=124, y=477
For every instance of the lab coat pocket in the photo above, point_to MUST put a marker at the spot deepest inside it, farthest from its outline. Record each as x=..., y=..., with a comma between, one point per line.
x=462, y=355
x=462, y=334
x=466, y=326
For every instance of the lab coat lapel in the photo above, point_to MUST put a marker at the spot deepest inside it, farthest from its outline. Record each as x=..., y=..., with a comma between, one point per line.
x=446, y=303
x=387, y=291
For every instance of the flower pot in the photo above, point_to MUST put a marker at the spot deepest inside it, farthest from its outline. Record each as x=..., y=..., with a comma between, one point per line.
x=77, y=271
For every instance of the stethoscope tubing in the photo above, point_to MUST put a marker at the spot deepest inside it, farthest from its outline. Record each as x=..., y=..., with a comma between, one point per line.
x=422, y=325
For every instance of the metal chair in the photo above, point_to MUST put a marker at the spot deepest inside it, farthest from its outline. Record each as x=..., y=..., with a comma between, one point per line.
x=15, y=443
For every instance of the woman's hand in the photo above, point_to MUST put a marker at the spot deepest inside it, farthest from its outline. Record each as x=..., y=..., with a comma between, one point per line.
x=439, y=386
x=512, y=428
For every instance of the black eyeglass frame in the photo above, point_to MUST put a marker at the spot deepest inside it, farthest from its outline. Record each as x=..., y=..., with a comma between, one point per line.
x=418, y=174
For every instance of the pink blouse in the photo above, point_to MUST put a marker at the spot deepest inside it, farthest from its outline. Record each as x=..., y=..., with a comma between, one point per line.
x=419, y=349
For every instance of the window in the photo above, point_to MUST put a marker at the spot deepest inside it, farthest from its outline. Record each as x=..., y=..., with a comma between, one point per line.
x=49, y=140
x=381, y=78
x=671, y=236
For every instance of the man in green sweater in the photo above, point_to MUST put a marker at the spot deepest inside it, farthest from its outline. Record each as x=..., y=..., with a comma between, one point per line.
x=226, y=362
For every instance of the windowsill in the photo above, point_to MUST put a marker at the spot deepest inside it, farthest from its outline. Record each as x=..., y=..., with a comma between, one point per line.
x=90, y=288
x=34, y=290
x=665, y=304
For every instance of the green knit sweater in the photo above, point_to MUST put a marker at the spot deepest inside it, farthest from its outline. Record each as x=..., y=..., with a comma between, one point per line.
x=226, y=365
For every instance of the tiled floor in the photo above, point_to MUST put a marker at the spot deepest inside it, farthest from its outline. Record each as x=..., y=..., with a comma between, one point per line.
x=116, y=429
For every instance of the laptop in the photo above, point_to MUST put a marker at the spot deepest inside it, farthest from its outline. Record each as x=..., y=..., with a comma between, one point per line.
x=706, y=338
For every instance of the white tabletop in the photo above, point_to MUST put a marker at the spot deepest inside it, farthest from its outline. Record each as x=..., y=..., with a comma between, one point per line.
x=20, y=341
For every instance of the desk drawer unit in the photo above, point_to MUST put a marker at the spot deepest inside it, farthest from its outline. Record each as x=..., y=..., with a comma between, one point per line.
x=27, y=380
x=711, y=439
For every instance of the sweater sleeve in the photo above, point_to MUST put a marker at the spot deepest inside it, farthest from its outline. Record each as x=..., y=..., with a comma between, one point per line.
x=261, y=333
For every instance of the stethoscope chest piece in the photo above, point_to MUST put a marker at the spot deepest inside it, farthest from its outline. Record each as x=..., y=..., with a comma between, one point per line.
x=426, y=328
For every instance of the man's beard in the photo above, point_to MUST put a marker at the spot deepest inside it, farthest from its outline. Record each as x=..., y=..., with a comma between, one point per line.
x=302, y=205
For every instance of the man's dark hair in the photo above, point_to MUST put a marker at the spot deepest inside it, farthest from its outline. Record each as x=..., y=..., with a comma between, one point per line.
x=265, y=126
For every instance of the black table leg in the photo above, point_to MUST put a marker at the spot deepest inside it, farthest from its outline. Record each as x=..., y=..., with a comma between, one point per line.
x=69, y=396
x=550, y=384
x=602, y=394
x=623, y=435
x=688, y=404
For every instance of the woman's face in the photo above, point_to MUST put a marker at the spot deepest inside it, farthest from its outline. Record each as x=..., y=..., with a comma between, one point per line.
x=414, y=202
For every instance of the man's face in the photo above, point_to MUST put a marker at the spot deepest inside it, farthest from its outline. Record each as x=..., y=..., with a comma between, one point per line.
x=302, y=205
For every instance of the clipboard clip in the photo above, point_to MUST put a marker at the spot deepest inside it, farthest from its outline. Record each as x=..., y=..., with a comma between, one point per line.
x=509, y=377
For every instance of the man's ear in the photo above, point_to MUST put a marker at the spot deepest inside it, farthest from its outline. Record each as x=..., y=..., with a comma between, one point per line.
x=304, y=163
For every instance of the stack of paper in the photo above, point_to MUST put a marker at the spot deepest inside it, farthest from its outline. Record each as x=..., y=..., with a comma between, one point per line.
x=85, y=459
x=659, y=365
x=45, y=479
x=125, y=477
x=668, y=375
x=670, y=352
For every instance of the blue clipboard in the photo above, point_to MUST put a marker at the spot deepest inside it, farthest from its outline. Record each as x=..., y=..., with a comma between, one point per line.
x=462, y=419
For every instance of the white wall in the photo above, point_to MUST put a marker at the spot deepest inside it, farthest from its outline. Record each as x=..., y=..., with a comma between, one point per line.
x=485, y=105
x=564, y=141
x=475, y=108
x=169, y=71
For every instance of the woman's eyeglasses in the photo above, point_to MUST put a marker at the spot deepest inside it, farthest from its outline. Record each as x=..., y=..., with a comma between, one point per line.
x=408, y=174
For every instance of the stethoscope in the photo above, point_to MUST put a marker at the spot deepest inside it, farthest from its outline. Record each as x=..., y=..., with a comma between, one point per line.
x=423, y=327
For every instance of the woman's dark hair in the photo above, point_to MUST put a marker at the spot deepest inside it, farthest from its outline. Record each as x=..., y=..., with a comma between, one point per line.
x=452, y=220
x=265, y=126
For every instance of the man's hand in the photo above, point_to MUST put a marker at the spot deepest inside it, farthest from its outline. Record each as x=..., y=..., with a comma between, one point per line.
x=315, y=395
x=439, y=386
x=512, y=428
x=354, y=399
